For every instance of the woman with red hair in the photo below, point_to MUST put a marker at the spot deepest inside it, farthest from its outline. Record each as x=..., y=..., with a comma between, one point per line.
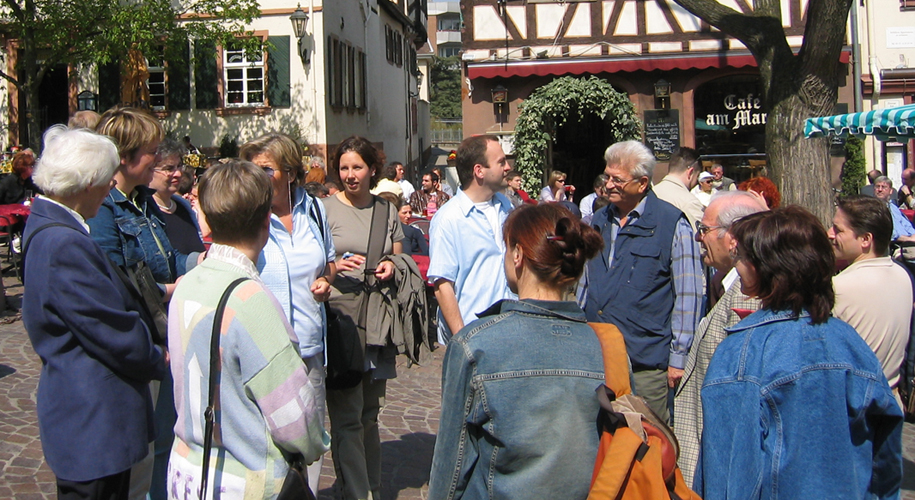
x=765, y=188
x=16, y=187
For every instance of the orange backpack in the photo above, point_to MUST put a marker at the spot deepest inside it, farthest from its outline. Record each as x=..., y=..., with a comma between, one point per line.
x=637, y=458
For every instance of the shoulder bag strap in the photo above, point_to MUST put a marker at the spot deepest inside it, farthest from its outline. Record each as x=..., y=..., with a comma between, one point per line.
x=377, y=232
x=209, y=414
x=616, y=360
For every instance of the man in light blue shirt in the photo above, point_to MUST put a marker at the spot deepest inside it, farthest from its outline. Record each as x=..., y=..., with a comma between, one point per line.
x=466, y=251
x=902, y=228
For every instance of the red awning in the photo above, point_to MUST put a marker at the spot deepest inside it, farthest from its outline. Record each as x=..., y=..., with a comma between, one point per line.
x=578, y=66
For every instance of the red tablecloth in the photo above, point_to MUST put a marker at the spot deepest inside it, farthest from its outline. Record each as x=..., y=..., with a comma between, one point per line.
x=14, y=213
x=910, y=214
x=422, y=262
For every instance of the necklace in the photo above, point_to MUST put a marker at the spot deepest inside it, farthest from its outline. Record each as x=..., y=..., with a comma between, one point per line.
x=170, y=208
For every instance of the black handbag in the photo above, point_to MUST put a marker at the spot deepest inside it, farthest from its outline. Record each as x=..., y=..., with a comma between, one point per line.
x=295, y=486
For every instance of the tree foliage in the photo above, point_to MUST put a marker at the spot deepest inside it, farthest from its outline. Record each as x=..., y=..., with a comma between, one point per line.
x=551, y=106
x=85, y=32
x=445, y=87
x=794, y=87
x=853, y=171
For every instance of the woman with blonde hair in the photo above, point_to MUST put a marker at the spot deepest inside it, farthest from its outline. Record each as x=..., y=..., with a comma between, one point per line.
x=297, y=263
x=556, y=189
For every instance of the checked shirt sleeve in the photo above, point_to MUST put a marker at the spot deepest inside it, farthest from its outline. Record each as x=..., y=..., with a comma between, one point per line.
x=686, y=270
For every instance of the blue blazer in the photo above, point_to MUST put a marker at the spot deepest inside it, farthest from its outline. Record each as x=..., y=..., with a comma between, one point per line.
x=95, y=413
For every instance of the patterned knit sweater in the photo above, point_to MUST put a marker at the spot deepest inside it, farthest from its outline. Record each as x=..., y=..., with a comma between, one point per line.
x=264, y=403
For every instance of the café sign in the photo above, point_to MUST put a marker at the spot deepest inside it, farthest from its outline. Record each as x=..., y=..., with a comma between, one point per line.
x=742, y=111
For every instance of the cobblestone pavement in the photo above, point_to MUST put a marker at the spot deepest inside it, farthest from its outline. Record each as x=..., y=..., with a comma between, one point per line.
x=409, y=423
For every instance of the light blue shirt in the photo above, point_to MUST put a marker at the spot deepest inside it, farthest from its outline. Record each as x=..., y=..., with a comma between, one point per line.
x=901, y=224
x=464, y=250
x=290, y=263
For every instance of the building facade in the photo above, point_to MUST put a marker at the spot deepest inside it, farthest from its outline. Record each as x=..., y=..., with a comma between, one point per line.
x=691, y=85
x=356, y=73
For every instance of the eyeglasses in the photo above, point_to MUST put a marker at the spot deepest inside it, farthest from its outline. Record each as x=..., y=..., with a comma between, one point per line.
x=702, y=229
x=269, y=171
x=168, y=169
x=561, y=181
x=616, y=181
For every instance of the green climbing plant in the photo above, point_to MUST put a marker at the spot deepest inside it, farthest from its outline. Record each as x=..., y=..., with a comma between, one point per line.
x=551, y=106
x=853, y=171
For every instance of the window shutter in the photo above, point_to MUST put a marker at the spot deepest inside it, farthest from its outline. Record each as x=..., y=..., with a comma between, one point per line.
x=179, y=82
x=109, y=85
x=278, y=86
x=205, y=75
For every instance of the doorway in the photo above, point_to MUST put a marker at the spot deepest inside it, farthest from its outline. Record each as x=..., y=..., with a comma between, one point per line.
x=579, y=151
x=53, y=102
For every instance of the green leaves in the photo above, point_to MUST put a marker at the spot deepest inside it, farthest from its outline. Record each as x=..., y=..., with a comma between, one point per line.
x=553, y=105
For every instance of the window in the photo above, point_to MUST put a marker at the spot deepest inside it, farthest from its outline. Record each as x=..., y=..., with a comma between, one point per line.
x=907, y=5
x=244, y=77
x=448, y=50
x=346, y=75
x=449, y=23
x=393, y=45
x=155, y=65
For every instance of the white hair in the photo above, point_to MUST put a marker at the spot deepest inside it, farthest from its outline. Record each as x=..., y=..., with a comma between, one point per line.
x=74, y=160
x=737, y=205
x=632, y=155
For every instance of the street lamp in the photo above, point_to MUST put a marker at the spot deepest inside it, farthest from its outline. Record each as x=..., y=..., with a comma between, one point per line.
x=86, y=100
x=299, y=20
x=662, y=94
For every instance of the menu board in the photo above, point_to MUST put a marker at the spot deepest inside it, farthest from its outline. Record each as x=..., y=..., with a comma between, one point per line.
x=662, y=132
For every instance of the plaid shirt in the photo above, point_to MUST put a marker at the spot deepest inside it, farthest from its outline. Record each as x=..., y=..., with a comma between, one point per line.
x=687, y=403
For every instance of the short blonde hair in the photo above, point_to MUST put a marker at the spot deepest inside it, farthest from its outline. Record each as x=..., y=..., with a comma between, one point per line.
x=131, y=129
x=285, y=150
x=555, y=176
x=235, y=197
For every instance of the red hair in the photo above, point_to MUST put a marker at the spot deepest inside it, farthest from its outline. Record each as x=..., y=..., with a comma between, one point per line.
x=555, y=244
x=22, y=161
x=765, y=187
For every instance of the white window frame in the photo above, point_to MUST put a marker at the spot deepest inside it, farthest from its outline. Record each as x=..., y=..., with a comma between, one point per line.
x=235, y=59
x=156, y=83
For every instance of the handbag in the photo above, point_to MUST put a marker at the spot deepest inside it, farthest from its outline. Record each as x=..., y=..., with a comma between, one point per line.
x=295, y=485
x=347, y=314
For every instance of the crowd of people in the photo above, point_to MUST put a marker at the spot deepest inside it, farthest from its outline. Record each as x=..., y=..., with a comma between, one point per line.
x=210, y=335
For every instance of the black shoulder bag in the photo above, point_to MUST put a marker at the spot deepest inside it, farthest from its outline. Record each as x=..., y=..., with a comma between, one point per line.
x=295, y=486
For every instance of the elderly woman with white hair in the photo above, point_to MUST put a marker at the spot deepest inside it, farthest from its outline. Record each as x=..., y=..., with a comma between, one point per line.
x=97, y=353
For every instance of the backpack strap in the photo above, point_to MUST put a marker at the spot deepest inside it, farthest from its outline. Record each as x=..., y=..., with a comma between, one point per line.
x=616, y=360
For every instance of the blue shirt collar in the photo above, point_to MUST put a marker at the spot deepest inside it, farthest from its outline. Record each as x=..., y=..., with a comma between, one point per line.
x=634, y=213
x=466, y=204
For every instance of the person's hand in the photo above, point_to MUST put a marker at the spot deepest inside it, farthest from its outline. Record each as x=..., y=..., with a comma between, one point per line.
x=673, y=376
x=760, y=198
x=321, y=289
x=350, y=263
x=384, y=271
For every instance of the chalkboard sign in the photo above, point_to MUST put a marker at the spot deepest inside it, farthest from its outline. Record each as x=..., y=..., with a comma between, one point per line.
x=662, y=132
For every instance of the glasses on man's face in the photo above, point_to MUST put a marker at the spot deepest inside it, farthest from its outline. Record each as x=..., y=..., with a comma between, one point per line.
x=702, y=229
x=616, y=181
x=168, y=169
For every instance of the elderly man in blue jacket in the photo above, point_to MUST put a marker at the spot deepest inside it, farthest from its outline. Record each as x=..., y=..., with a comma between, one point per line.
x=648, y=279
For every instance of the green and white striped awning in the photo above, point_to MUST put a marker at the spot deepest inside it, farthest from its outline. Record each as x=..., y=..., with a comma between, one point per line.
x=889, y=124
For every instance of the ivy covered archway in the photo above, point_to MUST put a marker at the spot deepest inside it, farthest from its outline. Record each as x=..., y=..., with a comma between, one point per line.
x=551, y=106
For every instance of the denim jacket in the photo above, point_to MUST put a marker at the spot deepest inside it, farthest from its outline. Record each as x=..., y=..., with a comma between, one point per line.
x=519, y=406
x=125, y=230
x=794, y=410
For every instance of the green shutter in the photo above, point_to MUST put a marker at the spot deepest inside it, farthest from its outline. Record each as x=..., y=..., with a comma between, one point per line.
x=179, y=82
x=205, y=76
x=109, y=85
x=278, y=87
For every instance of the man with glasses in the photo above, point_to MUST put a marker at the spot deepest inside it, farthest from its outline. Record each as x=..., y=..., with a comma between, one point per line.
x=647, y=280
x=715, y=244
x=682, y=175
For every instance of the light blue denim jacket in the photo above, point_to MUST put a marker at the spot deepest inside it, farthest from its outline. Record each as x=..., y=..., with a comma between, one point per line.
x=794, y=410
x=519, y=407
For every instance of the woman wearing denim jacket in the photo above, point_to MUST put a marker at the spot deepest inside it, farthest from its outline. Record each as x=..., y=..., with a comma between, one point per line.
x=297, y=263
x=518, y=391
x=130, y=230
x=795, y=402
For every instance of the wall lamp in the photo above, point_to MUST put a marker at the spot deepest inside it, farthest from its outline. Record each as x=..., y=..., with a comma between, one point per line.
x=299, y=20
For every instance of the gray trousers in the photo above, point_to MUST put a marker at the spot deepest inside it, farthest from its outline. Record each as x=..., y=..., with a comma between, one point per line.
x=651, y=385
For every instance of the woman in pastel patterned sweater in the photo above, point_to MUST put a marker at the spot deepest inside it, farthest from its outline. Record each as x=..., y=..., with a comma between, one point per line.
x=266, y=408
